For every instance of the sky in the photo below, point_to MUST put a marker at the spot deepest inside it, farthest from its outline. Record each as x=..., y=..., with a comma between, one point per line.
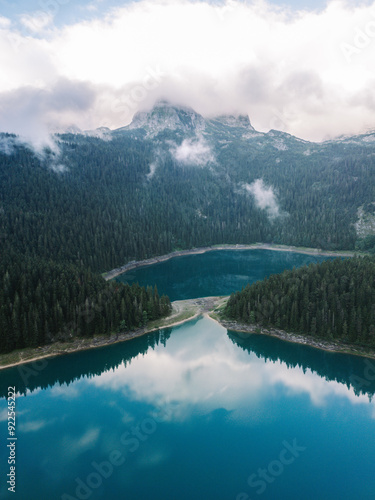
x=301, y=66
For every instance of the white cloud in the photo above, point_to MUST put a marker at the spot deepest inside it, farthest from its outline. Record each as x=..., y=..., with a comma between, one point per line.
x=65, y=391
x=310, y=71
x=264, y=197
x=34, y=113
x=153, y=167
x=193, y=152
x=76, y=446
x=37, y=22
x=4, y=22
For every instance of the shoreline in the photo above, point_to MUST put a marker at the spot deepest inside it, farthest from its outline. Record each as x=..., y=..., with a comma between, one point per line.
x=183, y=311
x=295, y=338
x=94, y=343
x=197, y=251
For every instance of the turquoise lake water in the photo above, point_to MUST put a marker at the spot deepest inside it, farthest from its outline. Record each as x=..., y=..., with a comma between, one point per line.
x=193, y=412
x=215, y=273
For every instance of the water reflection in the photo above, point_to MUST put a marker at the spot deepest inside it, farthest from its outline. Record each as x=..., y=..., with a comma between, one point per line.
x=69, y=368
x=193, y=412
x=200, y=372
x=354, y=372
x=197, y=365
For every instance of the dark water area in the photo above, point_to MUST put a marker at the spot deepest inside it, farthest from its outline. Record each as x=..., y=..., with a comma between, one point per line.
x=215, y=273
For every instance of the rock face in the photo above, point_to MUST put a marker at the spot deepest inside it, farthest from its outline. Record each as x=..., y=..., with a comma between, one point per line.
x=167, y=121
x=240, y=121
x=166, y=116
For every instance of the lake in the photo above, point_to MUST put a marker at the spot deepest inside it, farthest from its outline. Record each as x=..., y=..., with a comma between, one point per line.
x=194, y=412
x=215, y=273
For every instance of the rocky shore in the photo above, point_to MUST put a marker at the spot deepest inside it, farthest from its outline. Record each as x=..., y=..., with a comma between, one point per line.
x=296, y=338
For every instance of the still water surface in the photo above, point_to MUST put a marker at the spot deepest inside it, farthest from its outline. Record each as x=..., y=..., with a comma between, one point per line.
x=215, y=273
x=193, y=412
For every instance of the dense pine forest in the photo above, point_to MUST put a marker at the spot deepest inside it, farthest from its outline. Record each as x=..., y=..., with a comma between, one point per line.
x=331, y=300
x=103, y=210
x=44, y=301
x=95, y=203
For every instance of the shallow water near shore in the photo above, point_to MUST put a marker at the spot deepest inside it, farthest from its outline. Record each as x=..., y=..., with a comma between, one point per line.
x=194, y=412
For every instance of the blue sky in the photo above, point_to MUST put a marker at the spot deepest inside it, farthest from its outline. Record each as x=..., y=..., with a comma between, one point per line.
x=302, y=66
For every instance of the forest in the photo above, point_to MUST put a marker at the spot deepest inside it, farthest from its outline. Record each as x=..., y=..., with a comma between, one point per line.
x=332, y=300
x=43, y=301
x=102, y=211
x=90, y=205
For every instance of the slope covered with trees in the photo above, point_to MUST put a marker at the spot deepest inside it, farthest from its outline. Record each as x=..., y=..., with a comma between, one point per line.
x=331, y=300
x=101, y=202
x=44, y=301
x=96, y=203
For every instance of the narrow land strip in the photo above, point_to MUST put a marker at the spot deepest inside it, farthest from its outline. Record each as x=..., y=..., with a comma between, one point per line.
x=183, y=310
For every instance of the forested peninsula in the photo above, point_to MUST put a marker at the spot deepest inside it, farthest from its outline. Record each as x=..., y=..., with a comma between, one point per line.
x=331, y=301
x=42, y=302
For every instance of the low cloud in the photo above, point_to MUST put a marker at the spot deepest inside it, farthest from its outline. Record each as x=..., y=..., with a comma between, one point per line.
x=159, y=158
x=59, y=168
x=35, y=114
x=94, y=73
x=264, y=197
x=47, y=151
x=193, y=152
x=7, y=144
x=151, y=174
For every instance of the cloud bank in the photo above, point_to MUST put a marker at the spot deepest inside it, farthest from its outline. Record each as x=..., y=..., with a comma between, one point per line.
x=308, y=73
x=195, y=152
x=264, y=197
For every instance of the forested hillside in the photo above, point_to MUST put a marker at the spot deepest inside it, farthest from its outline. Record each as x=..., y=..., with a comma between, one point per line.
x=331, y=300
x=171, y=180
x=44, y=301
x=102, y=202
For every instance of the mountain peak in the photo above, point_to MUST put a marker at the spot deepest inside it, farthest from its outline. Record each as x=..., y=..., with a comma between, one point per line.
x=165, y=115
x=241, y=121
x=233, y=122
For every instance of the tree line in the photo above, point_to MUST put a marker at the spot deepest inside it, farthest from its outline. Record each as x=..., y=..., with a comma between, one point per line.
x=44, y=301
x=331, y=300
